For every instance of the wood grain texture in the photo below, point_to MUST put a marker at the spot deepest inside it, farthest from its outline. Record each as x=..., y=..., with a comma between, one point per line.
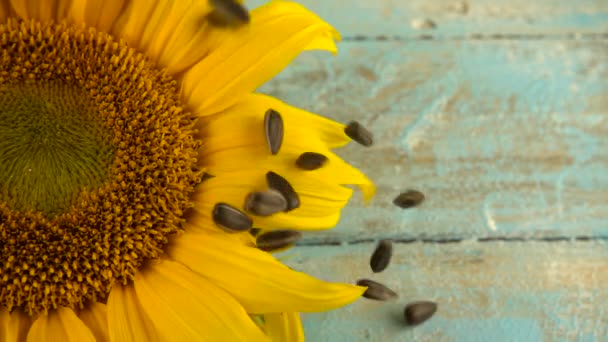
x=530, y=291
x=505, y=138
x=493, y=19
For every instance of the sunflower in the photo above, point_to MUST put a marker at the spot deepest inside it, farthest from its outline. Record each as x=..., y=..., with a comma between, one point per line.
x=135, y=159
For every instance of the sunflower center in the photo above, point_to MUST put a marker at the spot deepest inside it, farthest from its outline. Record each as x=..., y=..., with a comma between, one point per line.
x=97, y=164
x=53, y=146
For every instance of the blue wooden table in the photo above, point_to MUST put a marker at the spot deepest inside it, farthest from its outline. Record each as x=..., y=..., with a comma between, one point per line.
x=498, y=111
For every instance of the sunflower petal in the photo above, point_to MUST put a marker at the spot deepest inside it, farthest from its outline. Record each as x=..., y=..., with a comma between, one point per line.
x=278, y=32
x=33, y=9
x=126, y=319
x=187, y=307
x=63, y=325
x=320, y=201
x=170, y=32
x=234, y=126
x=14, y=326
x=284, y=327
x=255, y=278
x=96, y=318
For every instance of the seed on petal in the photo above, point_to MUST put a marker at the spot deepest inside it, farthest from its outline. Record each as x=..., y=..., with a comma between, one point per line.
x=231, y=218
x=265, y=203
x=228, y=13
x=409, y=199
x=382, y=256
x=417, y=312
x=358, y=133
x=254, y=231
x=281, y=185
x=273, y=128
x=376, y=290
x=277, y=239
x=310, y=161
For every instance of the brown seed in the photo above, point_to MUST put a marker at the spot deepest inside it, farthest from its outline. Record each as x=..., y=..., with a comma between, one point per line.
x=409, y=199
x=381, y=256
x=265, y=203
x=277, y=239
x=376, y=290
x=360, y=134
x=231, y=218
x=228, y=13
x=417, y=312
x=254, y=231
x=273, y=128
x=281, y=185
x=311, y=161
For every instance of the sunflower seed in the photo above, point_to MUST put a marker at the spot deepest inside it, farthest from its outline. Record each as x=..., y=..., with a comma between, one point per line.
x=273, y=128
x=409, y=199
x=254, y=231
x=382, y=256
x=310, y=161
x=417, y=312
x=265, y=203
x=231, y=218
x=376, y=290
x=277, y=239
x=358, y=133
x=281, y=185
x=228, y=13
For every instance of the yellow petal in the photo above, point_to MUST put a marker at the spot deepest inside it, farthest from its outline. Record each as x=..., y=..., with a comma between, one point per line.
x=63, y=325
x=187, y=307
x=40, y=10
x=255, y=278
x=14, y=326
x=127, y=322
x=95, y=316
x=284, y=327
x=278, y=32
x=320, y=201
x=103, y=14
x=243, y=124
x=169, y=32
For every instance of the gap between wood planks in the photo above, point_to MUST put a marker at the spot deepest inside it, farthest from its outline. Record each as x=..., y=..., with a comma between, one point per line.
x=479, y=36
x=582, y=238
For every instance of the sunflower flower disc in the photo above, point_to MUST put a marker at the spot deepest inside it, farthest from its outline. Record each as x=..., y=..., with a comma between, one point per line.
x=85, y=160
x=136, y=159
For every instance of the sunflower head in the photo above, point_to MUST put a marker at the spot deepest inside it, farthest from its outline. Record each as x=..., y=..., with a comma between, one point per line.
x=135, y=160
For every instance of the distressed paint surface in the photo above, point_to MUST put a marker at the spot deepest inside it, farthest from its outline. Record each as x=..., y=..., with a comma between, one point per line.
x=498, y=113
x=493, y=291
x=389, y=19
x=506, y=138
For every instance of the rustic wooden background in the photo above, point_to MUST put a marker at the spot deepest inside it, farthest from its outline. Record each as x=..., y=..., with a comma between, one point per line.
x=498, y=111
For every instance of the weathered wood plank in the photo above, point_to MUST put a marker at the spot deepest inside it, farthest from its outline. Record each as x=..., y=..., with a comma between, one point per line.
x=460, y=18
x=504, y=138
x=533, y=291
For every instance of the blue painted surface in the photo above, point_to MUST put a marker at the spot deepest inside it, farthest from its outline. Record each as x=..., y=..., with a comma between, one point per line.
x=499, y=115
x=505, y=138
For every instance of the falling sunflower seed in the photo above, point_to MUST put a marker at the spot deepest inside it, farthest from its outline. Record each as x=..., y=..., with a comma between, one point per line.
x=265, y=203
x=409, y=199
x=281, y=185
x=381, y=256
x=418, y=312
x=277, y=239
x=231, y=218
x=311, y=161
x=228, y=13
x=360, y=134
x=376, y=290
x=273, y=128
